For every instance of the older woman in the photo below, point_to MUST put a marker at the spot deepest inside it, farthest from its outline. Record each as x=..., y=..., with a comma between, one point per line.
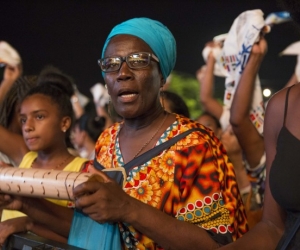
x=184, y=197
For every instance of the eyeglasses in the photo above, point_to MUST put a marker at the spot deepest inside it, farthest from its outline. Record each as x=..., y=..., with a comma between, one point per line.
x=134, y=61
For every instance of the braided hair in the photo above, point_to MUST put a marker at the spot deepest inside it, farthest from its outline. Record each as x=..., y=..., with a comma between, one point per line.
x=53, y=74
x=14, y=97
x=59, y=97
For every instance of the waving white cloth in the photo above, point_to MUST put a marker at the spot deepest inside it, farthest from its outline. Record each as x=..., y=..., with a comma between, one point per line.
x=8, y=54
x=270, y=20
x=237, y=47
x=83, y=100
x=100, y=94
x=231, y=60
x=219, y=70
x=294, y=50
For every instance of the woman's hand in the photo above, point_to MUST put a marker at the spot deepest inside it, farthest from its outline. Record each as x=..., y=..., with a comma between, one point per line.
x=102, y=201
x=8, y=227
x=10, y=202
x=11, y=73
x=200, y=73
x=260, y=48
x=4, y=164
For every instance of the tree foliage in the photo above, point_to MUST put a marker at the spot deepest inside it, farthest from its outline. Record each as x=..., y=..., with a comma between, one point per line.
x=187, y=87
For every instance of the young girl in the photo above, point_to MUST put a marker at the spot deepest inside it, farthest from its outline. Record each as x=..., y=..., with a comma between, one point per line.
x=46, y=116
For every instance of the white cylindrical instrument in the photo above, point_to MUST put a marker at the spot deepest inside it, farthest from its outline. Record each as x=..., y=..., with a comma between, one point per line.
x=42, y=183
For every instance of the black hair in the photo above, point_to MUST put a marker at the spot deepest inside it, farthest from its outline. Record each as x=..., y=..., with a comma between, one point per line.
x=13, y=98
x=211, y=116
x=54, y=75
x=177, y=104
x=93, y=125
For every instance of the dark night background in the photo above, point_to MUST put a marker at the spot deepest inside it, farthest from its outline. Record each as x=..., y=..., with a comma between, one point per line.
x=70, y=34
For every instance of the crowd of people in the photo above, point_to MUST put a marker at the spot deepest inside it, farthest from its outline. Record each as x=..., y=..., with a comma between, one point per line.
x=163, y=179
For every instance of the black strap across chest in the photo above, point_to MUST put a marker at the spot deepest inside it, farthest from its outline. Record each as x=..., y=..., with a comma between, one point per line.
x=150, y=153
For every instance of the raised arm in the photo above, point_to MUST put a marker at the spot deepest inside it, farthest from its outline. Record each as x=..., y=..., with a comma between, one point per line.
x=205, y=77
x=249, y=138
x=266, y=234
x=11, y=74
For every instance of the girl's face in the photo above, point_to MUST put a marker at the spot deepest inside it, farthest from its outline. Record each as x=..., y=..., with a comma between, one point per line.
x=42, y=125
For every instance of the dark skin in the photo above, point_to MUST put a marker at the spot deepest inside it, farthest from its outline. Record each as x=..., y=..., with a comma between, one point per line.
x=107, y=202
x=266, y=234
x=249, y=138
x=205, y=77
x=37, y=115
x=135, y=96
x=142, y=114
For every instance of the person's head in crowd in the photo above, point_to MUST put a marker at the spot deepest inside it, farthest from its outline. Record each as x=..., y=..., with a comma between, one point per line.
x=51, y=74
x=85, y=132
x=174, y=103
x=9, y=109
x=150, y=53
x=49, y=105
x=211, y=122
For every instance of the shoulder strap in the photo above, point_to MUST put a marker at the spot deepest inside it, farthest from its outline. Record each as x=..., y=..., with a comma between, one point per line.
x=286, y=104
x=156, y=150
x=283, y=244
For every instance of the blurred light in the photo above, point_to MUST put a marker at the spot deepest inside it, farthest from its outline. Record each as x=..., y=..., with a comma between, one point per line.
x=267, y=92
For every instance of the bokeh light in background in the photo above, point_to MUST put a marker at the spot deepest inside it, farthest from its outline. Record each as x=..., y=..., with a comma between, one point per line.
x=267, y=92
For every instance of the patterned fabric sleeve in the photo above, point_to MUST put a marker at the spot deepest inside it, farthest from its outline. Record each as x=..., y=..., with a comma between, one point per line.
x=207, y=191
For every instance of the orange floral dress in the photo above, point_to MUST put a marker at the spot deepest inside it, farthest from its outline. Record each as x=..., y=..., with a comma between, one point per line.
x=192, y=181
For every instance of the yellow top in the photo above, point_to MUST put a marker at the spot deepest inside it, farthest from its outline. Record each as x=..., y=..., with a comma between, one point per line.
x=27, y=161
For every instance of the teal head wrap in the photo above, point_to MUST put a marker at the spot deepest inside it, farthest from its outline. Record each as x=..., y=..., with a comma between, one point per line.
x=155, y=34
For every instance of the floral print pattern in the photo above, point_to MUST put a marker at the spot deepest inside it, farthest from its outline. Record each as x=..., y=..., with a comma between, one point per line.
x=192, y=181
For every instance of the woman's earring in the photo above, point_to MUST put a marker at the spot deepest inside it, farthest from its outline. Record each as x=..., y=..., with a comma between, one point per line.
x=64, y=130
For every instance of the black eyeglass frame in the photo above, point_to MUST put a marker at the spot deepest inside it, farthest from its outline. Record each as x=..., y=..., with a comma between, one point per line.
x=125, y=58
